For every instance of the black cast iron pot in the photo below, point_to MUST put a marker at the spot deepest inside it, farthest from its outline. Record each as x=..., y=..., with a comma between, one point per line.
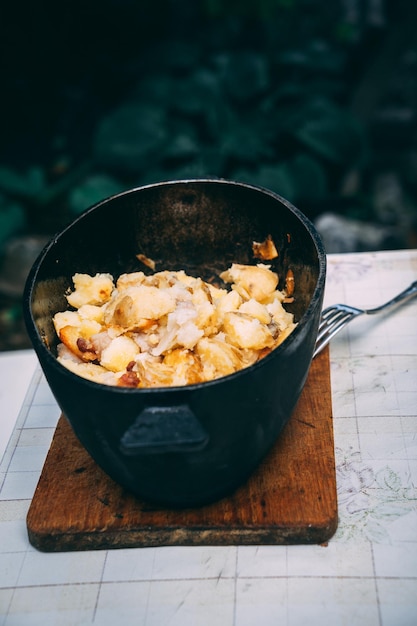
x=181, y=446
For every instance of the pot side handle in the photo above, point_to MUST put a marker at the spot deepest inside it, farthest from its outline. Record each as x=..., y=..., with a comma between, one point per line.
x=159, y=429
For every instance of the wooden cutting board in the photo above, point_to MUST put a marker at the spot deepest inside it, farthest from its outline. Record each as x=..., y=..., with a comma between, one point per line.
x=290, y=499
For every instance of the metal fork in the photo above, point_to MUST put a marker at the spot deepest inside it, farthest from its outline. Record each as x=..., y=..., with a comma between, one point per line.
x=336, y=317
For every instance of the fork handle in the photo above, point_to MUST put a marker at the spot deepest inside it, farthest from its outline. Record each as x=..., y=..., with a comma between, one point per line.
x=408, y=293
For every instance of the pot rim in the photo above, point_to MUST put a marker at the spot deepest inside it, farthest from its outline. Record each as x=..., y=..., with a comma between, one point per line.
x=40, y=346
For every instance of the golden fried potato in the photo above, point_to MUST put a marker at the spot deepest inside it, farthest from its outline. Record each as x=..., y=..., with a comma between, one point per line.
x=66, y=318
x=265, y=250
x=251, y=281
x=256, y=309
x=119, y=353
x=90, y=289
x=186, y=364
x=245, y=331
x=136, y=305
x=78, y=339
x=91, y=371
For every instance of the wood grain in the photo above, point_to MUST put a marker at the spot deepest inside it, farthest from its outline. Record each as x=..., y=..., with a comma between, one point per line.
x=290, y=499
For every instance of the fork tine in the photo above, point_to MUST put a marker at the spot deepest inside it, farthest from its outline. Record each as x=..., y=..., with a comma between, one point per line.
x=330, y=311
x=331, y=321
x=320, y=345
x=327, y=318
x=338, y=324
x=334, y=321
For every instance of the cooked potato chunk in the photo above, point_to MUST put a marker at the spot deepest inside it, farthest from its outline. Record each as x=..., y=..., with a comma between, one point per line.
x=78, y=339
x=252, y=281
x=119, y=353
x=66, y=318
x=218, y=357
x=136, y=304
x=256, y=309
x=91, y=371
x=90, y=289
x=245, y=331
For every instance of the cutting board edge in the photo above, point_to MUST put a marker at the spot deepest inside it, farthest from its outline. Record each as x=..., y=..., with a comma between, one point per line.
x=178, y=536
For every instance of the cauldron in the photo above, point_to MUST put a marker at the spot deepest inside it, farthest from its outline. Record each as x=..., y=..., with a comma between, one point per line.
x=192, y=445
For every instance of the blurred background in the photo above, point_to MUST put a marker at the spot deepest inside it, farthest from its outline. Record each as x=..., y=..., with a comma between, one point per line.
x=313, y=99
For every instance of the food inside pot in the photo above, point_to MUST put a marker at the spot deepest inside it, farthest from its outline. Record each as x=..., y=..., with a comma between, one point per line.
x=169, y=328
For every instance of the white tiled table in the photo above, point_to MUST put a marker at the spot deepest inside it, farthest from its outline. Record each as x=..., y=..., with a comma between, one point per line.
x=366, y=575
